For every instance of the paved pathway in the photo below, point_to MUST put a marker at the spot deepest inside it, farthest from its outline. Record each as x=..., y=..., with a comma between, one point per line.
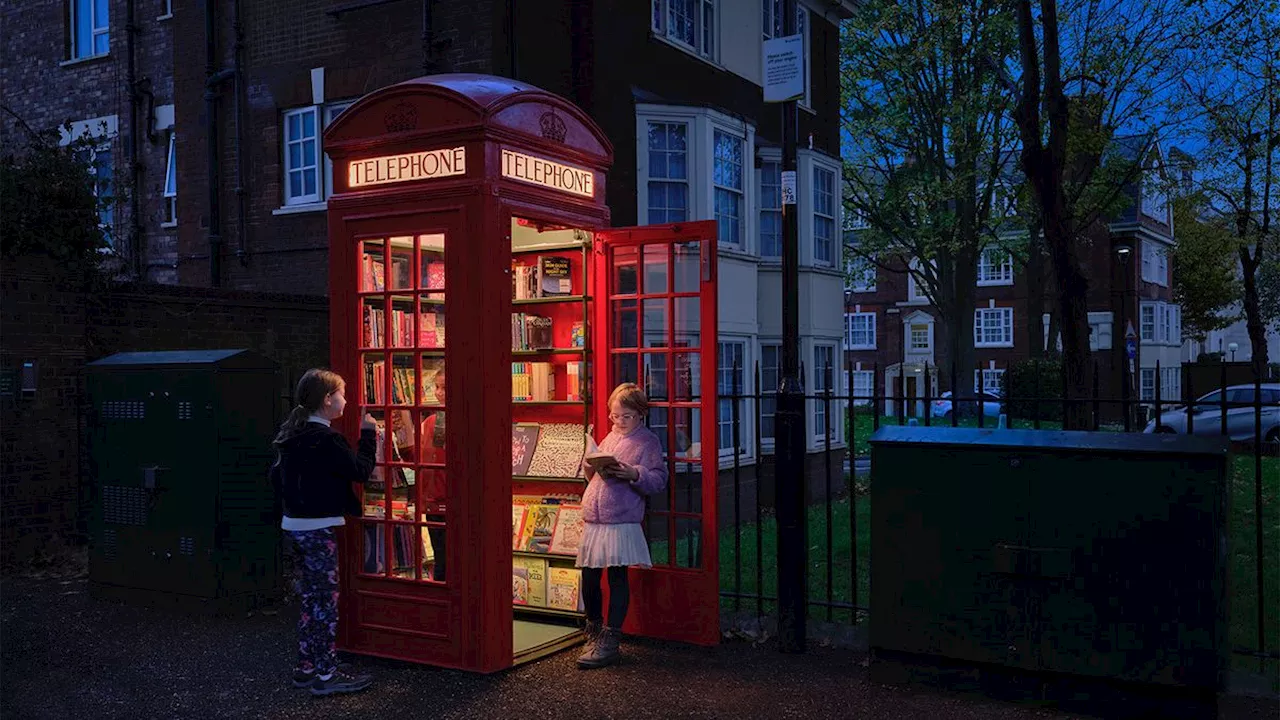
x=68, y=656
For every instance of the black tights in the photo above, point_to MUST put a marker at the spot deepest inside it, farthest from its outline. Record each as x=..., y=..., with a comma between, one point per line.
x=619, y=595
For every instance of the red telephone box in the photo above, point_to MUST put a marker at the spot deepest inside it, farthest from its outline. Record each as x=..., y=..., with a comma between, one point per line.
x=480, y=200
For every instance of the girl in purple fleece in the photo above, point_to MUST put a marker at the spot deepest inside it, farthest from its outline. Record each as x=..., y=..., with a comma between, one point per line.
x=612, y=509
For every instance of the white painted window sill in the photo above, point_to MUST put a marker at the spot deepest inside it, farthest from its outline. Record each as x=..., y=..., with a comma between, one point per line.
x=81, y=61
x=995, y=283
x=168, y=225
x=166, y=16
x=299, y=209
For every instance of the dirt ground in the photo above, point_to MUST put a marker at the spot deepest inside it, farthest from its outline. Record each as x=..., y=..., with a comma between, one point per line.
x=64, y=655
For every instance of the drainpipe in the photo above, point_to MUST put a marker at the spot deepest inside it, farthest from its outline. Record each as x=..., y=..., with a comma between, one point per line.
x=242, y=228
x=136, y=237
x=211, y=137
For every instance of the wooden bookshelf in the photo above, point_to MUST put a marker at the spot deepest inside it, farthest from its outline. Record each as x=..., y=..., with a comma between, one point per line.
x=550, y=300
x=548, y=351
x=557, y=556
x=551, y=612
x=538, y=478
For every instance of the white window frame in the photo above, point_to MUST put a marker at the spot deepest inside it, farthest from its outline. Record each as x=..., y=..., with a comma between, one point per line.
x=169, y=212
x=706, y=41
x=1155, y=263
x=1160, y=323
x=166, y=7
x=323, y=114
x=868, y=319
x=724, y=387
x=95, y=31
x=701, y=125
x=988, y=380
x=819, y=385
x=915, y=295
x=769, y=192
x=1005, y=325
x=719, y=189
x=666, y=180
x=1155, y=202
x=306, y=164
x=769, y=349
x=828, y=218
x=995, y=267
x=912, y=348
x=1147, y=383
x=864, y=387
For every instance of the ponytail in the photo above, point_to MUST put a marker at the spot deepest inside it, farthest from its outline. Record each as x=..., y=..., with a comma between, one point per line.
x=314, y=386
x=292, y=424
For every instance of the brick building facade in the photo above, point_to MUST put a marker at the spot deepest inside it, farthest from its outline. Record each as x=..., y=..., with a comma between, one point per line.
x=70, y=63
x=890, y=326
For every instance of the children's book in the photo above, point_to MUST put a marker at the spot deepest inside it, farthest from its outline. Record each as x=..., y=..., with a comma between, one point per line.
x=519, y=585
x=535, y=573
x=539, y=524
x=563, y=588
x=524, y=439
x=568, y=533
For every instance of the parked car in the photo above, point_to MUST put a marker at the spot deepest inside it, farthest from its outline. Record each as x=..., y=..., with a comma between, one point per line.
x=1241, y=401
x=990, y=404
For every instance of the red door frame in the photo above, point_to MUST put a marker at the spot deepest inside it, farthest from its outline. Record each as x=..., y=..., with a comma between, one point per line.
x=670, y=602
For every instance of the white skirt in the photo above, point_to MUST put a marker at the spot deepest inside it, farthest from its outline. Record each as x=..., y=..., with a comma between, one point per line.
x=621, y=544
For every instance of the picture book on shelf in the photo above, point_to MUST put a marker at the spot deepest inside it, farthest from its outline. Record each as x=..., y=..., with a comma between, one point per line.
x=519, y=585
x=524, y=438
x=567, y=536
x=563, y=585
x=560, y=450
x=539, y=524
x=534, y=573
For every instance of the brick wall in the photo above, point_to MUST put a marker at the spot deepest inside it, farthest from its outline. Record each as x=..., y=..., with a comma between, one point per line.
x=284, y=40
x=54, y=323
x=46, y=90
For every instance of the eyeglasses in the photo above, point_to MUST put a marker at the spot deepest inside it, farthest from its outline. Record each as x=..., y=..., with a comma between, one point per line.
x=625, y=416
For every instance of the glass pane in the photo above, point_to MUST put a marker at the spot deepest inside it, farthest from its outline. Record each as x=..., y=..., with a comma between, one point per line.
x=688, y=542
x=655, y=269
x=431, y=447
x=374, y=541
x=309, y=182
x=431, y=488
x=373, y=323
x=688, y=322
x=404, y=380
x=372, y=266
x=687, y=261
x=403, y=500
x=375, y=380
x=655, y=377
x=686, y=486
x=688, y=377
x=400, y=323
x=624, y=271
x=433, y=380
x=433, y=549
x=431, y=262
x=659, y=423
x=403, y=552
x=688, y=432
x=625, y=324
x=401, y=276
x=431, y=321
x=625, y=369
x=657, y=532
x=401, y=445
x=655, y=323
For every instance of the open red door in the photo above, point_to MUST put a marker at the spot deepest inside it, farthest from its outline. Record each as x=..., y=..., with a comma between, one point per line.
x=656, y=326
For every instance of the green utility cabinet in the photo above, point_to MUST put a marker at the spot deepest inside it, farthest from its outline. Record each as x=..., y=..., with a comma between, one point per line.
x=1056, y=555
x=179, y=448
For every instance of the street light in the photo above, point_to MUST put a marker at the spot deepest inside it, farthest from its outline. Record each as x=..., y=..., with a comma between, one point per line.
x=1123, y=248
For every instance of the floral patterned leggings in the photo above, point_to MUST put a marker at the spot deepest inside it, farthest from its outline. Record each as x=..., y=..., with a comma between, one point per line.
x=317, y=571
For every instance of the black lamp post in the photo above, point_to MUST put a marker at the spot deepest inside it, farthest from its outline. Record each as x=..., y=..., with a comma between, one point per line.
x=1123, y=248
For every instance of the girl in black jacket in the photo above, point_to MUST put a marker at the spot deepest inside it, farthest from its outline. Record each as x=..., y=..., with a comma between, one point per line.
x=313, y=476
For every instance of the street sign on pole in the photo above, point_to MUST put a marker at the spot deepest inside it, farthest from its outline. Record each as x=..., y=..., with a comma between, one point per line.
x=784, y=69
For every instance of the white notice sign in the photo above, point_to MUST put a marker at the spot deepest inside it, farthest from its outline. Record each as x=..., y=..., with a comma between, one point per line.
x=784, y=69
x=789, y=187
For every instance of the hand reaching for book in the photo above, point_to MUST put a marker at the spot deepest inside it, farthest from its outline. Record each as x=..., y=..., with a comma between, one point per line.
x=368, y=423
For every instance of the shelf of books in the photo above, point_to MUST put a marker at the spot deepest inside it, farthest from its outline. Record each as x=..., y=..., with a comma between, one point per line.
x=402, y=343
x=550, y=408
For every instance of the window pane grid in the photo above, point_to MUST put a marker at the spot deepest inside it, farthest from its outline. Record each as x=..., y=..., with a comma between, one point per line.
x=727, y=179
x=824, y=215
x=301, y=157
x=668, y=173
x=770, y=208
x=993, y=326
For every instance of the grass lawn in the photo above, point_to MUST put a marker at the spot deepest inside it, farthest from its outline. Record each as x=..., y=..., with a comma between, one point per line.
x=1242, y=587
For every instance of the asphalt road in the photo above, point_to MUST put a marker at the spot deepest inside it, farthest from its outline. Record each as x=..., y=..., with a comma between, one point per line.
x=65, y=655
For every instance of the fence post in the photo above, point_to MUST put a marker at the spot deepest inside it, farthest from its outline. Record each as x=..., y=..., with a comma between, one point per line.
x=737, y=488
x=853, y=493
x=1159, y=391
x=877, y=398
x=1222, y=396
x=759, y=465
x=1257, y=518
x=928, y=390
x=826, y=451
x=955, y=394
x=1097, y=404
